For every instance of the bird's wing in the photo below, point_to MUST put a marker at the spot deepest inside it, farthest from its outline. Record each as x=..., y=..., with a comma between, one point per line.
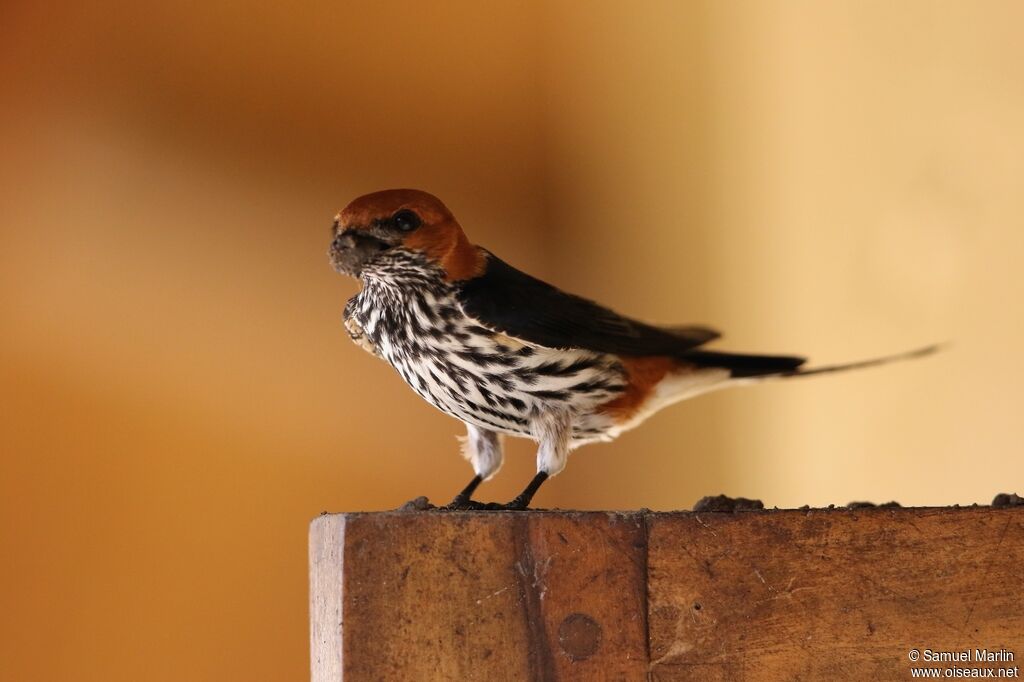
x=511, y=302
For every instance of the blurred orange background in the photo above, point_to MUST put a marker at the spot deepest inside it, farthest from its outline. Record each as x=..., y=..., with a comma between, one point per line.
x=838, y=179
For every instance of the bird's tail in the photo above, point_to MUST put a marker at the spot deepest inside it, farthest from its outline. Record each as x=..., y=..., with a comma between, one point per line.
x=743, y=366
x=864, y=364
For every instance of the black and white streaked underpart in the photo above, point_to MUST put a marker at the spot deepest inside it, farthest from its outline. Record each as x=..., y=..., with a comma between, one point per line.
x=412, y=319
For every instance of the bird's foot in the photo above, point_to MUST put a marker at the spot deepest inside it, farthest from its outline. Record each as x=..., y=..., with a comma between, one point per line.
x=520, y=503
x=514, y=505
x=463, y=503
x=458, y=504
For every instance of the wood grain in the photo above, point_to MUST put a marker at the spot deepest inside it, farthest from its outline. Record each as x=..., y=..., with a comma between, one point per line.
x=818, y=594
x=830, y=594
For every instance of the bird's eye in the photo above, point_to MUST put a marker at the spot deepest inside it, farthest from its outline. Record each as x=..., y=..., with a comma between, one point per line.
x=406, y=220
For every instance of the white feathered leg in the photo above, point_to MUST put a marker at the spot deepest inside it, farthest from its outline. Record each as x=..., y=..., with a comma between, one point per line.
x=553, y=432
x=483, y=450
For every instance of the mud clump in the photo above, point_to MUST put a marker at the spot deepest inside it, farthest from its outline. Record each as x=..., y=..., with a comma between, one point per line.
x=420, y=503
x=724, y=503
x=1008, y=500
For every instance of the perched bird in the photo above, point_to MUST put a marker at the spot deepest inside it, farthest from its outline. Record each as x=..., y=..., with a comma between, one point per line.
x=506, y=353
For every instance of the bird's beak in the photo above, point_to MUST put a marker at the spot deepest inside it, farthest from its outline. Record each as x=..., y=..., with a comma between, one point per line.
x=351, y=249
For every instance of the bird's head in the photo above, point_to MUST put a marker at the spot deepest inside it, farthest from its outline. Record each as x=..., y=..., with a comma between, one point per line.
x=387, y=232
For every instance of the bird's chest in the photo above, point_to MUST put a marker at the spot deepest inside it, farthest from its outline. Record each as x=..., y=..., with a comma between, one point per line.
x=413, y=330
x=473, y=373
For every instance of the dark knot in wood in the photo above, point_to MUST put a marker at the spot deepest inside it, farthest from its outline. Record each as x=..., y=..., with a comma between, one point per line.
x=579, y=635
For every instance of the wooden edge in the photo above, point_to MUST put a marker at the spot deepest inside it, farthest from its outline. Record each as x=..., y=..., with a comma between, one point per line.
x=643, y=512
x=326, y=559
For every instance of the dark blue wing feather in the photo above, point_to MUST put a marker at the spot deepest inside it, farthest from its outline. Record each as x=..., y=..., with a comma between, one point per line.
x=512, y=302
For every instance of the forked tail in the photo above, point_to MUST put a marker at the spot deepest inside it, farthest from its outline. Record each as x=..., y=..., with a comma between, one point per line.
x=742, y=365
x=863, y=364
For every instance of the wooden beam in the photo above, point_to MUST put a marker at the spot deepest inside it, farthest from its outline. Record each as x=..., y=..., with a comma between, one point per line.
x=808, y=594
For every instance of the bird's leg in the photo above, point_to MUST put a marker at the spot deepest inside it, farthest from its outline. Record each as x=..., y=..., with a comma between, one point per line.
x=462, y=500
x=483, y=450
x=522, y=500
x=553, y=432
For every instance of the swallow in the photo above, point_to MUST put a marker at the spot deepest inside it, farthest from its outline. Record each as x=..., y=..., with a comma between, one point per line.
x=508, y=354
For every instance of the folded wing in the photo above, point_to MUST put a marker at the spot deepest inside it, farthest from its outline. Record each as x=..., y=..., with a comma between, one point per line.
x=512, y=302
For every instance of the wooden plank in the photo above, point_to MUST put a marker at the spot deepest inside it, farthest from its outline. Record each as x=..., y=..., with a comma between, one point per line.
x=538, y=596
x=816, y=594
x=830, y=594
